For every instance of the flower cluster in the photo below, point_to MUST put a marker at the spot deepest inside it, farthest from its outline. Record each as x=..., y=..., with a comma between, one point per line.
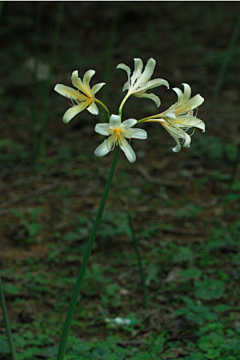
x=177, y=120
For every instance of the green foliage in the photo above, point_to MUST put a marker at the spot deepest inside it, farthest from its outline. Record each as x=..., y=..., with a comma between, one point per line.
x=29, y=228
x=209, y=289
x=195, y=312
x=213, y=150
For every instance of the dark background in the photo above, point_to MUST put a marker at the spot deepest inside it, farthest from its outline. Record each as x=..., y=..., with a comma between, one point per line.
x=179, y=202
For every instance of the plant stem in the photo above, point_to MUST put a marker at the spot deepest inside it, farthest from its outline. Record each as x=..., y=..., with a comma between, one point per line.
x=139, y=260
x=84, y=264
x=104, y=107
x=7, y=322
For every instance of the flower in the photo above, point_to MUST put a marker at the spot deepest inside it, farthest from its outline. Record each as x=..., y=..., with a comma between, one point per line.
x=118, y=132
x=140, y=82
x=80, y=100
x=180, y=117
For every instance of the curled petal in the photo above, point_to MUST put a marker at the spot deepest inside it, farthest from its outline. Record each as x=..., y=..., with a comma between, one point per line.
x=149, y=69
x=77, y=82
x=154, y=83
x=128, y=150
x=97, y=87
x=128, y=123
x=138, y=66
x=87, y=77
x=186, y=92
x=73, y=111
x=187, y=121
x=128, y=71
x=153, y=97
x=92, y=108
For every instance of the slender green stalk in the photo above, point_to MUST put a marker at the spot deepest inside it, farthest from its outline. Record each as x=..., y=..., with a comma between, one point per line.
x=144, y=289
x=35, y=87
x=104, y=107
x=84, y=264
x=7, y=322
x=47, y=90
x=223, y=69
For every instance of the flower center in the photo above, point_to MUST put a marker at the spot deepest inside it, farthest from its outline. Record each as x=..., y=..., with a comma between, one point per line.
x=117, y=134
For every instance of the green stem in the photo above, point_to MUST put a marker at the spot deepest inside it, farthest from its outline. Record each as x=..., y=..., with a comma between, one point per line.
x=148, y=118
x=145, y=295
x=121, y=105
x=104, y=107
x=84, y=264
x=7, y=322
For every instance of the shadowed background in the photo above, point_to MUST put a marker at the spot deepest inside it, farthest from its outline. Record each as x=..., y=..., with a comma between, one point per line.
x=51, y=182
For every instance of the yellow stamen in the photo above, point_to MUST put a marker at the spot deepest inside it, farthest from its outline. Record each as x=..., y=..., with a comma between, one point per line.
x=117, y=134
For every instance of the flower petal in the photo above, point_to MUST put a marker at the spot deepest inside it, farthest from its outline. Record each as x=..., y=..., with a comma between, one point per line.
x=154, y=83
x=153, y=97
x=179, y=94
x=77, y=82
x=194, y=102
x=126, y=124
x=128, y=71
x=73, y=111
x=149, y=69
x=102, y=149
x=138, y=66
x=128, y=150
x=87, y=77
x=102, y=129
x=189, y=121
x=93, y=108
x=97, y=87
x=114, y=121
x=69, y=92
x=186, y=92
x=140, y=134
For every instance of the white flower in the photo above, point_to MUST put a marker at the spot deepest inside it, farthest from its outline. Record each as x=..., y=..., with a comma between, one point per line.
x=80, y=100
x=140, y=82
x=180, y=117
x=118, y=132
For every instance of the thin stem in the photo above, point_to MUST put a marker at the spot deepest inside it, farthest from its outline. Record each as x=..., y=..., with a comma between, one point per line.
x=84, y=264
x=121, y=105
x=144, y=289
x=147, y=118
x=7, y=322
x=104, y=107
